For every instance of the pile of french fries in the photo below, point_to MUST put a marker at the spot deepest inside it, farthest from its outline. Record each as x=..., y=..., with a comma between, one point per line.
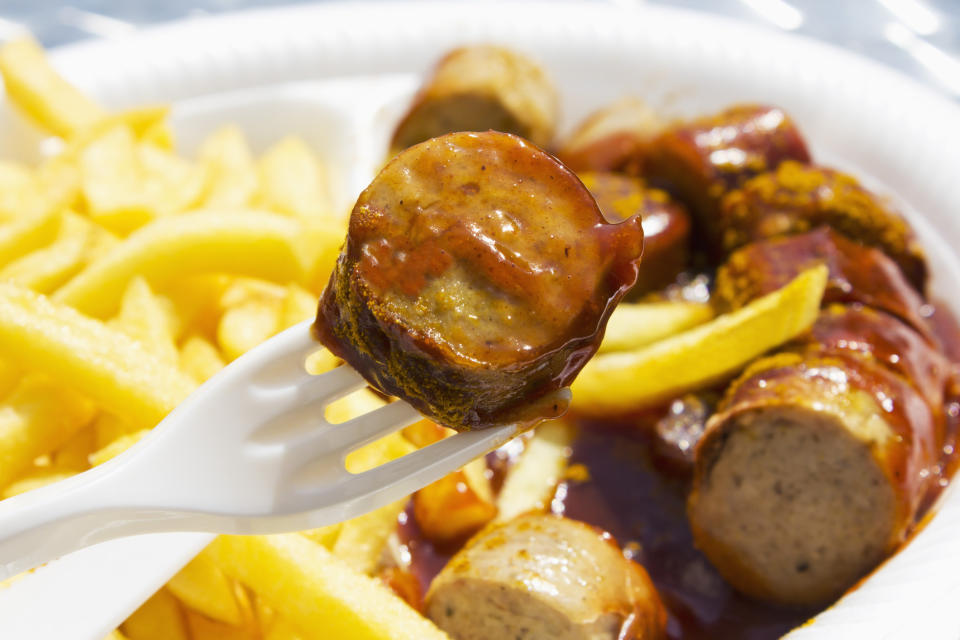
x=129, y=275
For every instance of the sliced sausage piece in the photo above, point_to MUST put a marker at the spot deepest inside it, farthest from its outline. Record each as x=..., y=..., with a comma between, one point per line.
x=810, y=474
x=891, y=342
x=796, y=198
x=666, y=226
x=699, y=161
x=856, y=274
x=478, y=88
x=543, y=577
x=477, y=278
x=614, y=138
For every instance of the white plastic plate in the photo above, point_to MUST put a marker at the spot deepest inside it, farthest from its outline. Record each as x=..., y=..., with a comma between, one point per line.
x=339, y=75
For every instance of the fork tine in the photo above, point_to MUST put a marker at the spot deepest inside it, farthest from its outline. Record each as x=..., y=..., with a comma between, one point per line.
x=352, y=434
x=403, y=476
x=333, y=384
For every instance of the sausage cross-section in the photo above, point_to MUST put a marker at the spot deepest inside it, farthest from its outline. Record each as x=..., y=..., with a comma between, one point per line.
x=543, y=577
x=476, y=280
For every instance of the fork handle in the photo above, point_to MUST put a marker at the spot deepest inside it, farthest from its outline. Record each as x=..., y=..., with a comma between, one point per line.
x=46, y=523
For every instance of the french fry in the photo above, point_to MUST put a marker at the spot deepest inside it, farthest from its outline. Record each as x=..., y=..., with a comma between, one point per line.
x=202, y=586
x=35, y=480
x=112, y=182
x=10, y=377
x=232, y=173
x=200, y=359
x=637, y=325
x=326, y=535
x=46, y=269
x=113, y=370
x=530, y=484
x=245, y=326
x=292, y=182
x=159, y=618
x=312, y=589
x=118, y=446
x=160, y=135
x=107, y=428
x=241, y=242
x=280, y=629
x=144, y=317
x=627, y=380
x=16, y=185
x=171, y=183
x=74, y=454
x=360, y=540
x=196, y=301
x=450, y=509
x=203, y=628
x=38, y=417
x=27, y=234
x=298, y=305
x=35, y=87
x=115, y=635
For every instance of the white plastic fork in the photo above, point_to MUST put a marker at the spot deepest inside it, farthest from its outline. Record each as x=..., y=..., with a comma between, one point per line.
x=250, y=452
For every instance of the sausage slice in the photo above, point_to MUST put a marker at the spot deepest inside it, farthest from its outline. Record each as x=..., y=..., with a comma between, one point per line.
x=614, y=138
x=543, y=577
x=857, y=274
x=666, y=226
x=482, y=87
x=810, y=474
x=477, y=277
x=699, y=161
x=796, y=198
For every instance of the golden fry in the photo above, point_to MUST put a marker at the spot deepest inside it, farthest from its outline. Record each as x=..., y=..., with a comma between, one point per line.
x=531, y=483
x=35, y=480
x=38, y=417
x=27, y=234
x=292, y=182
x=637, y=325
x=46, y=269
x=200, y=359
x=242, y=242
x=247, y=325
x=159, y=618
x=34, y=86
x=619, y=382
x=144, y=317
x=203, y=587
x=118, y=446
x=105, y=365
x=232, y=174
x=312, y=589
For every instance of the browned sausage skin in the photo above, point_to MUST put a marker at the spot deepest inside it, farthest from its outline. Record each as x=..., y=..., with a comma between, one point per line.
x=810, y=474
x=700, y=160
x=613, y=139
x=666, y=226
x=856, y=274
x=476, y=279
x=797, y=198
x=544, y=577
x=477, y=88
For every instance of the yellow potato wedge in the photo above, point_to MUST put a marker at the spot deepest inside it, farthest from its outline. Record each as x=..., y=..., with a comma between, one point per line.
x=637, y=325
x=530, y=484
x=113, y=370
x=39, y=416
x=35, y=87
x=202, y=586
x=316, y=592
x=35, y=480
x=232, y=174
x=46, y=269
x=74, y=454
x=248, y=243
x=360, y=540
x=159, y=618
x=292, y=182
x=624, y=381
x=200, y=359
x=118, y=446
x=27, y=234
x=113, y=186
x=245, y=326
x=144, y=317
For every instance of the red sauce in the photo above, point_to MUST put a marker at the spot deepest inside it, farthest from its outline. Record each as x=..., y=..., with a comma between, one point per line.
x=638, y=493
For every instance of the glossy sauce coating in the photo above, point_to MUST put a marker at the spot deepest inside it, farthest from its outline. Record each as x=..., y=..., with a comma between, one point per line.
x=666, y=226
x=796, y=198
x=857, y=274
x=475, y=261
x=700, y=160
